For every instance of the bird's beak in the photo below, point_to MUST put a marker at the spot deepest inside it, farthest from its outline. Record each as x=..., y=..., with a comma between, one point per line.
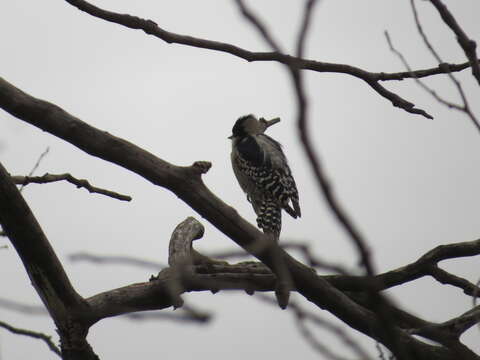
x=230, y=137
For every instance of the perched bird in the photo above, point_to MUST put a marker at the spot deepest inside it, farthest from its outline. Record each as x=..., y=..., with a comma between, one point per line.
x=262, y=171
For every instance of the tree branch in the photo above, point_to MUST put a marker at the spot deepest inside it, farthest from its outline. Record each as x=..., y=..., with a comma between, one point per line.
x=43, y=268
x=79, y=183
x=37, y=164
x=422, y=267
x=115, y=259
x=468, y=45
x=186, y=183
x=36, y=335
x=303, y=315
x=466, y=107
x=371, y=78
x=302, y=34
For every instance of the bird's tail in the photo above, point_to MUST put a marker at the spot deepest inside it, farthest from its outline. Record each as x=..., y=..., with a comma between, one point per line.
x=295, y=212
x=270, y=217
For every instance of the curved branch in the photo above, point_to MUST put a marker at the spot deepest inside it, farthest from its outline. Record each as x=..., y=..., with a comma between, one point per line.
x=422, y=267
x=371, y=78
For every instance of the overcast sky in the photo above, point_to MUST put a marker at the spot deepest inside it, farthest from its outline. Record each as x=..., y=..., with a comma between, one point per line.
x=409, y=183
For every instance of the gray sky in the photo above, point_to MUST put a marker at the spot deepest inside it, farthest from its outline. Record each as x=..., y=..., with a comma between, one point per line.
x=409, y=183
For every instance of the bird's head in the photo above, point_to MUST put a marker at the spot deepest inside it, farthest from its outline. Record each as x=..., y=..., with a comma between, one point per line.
x=244, y=126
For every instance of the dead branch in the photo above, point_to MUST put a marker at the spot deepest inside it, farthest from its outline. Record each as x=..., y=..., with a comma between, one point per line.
x=186, y=183
x=79, y=183
x=422, y=267
x=468, y=45
x=306, y=21
x=37, y=164
x=372, y=79
x=34, y=334
x=44, y=269
x=463, y=108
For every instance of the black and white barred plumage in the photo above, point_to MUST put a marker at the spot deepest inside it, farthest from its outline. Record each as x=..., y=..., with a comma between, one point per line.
x=263, y=173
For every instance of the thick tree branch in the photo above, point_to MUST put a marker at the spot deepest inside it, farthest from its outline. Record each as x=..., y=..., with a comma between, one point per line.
x=79, y=183
x=468, y=45
x=44, y=269
x=186, y=183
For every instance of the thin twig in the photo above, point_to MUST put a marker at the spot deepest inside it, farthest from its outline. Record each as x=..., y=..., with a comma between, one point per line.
x=37, y=164
x=312, y=260
x=23, y=308
x=302, y=34
x=466, y=107
x=262, y=28
x=421, y=83
x=316, y=344
x=302, y=316
x=79, y=183
x=37, y=335
x=115, y=259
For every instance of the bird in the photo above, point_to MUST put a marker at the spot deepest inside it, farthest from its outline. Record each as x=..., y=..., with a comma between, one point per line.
x=262, y=171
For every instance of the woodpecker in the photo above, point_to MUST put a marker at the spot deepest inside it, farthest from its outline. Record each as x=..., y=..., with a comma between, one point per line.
x=262, y=171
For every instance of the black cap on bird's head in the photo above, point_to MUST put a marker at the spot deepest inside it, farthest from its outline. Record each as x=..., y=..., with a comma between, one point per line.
x=245, y=125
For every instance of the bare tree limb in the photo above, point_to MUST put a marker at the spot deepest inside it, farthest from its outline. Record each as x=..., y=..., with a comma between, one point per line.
x=468, y=45
x=465, y=107
x=36, y=335
x=422, y=267
x=262, y=29
x=186, y=183
x=79, y=183
x=44, y=269
x=444, y=277
x=426, y=265
x=304, y=249
x=302, y=34
x=185, y=314
x=442, y=68
x=151, y=28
